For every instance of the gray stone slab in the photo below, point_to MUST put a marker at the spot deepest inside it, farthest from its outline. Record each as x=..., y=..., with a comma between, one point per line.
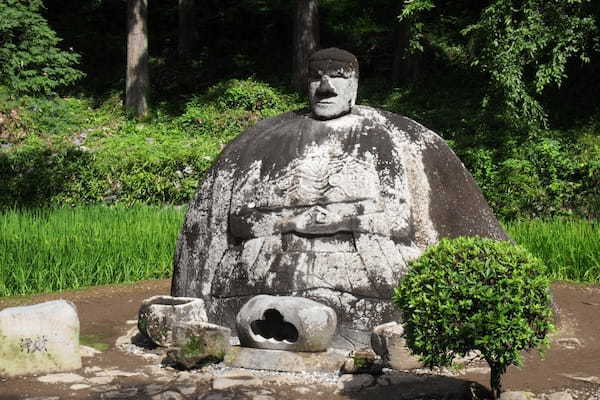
x=329, y=361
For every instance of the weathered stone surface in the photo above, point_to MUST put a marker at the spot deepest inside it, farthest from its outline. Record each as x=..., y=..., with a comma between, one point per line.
x=228, y=382
x=285, y=323
x=168, y=395
x=287, y=361
x=158, y=315
x=387, y=340
x=353, y=383
x=560, y=396
x=198, y=343
x=328, y=209
x=61, y=378
x=516, y=395
x=40, y=338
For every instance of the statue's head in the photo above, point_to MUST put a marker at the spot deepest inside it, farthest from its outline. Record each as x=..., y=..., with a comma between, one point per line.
x=333, y=82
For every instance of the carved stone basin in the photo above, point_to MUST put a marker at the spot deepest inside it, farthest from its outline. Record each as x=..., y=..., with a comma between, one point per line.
x=158, y=316
x=286, y=323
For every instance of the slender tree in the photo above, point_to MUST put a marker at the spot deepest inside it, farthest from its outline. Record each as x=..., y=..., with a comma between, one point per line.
x=188, y=33
x=137, y=82
x=306, y=40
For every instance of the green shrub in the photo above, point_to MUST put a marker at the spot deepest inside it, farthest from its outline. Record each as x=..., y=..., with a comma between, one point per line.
x=30, y=61
x=470, y=294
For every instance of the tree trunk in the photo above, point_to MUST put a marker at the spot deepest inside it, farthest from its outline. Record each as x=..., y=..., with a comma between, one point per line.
x=137, y=80
x=495, y=379
x=306, y=40
x=188, y=33
x=406, y=65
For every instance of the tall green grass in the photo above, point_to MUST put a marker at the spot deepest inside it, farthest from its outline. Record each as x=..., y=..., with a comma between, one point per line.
x=570, y=248
x=56, y=249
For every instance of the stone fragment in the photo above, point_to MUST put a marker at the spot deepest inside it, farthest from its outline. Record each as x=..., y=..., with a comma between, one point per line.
x=105, y=388
x=560, y=396
x=61, y=378
x=159, y=314
x=198, y=343
x=116, y=372
x=43, y=398
x=517, y=395
x=123, y=393
x=353, y=383
x=154, y=388
x=285, y=323
x=168, y=395
x=187, y=389
x=570, y=343
x=87, y=351
x=224, y=383
x=286, y=361
x=362, y=362
x=387, y=340
x=101, y=380
x=301, y=390
x=40, y=338
x=79, y=386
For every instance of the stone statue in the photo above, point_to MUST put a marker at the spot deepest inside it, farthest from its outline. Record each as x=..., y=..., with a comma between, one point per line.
x=328, y=203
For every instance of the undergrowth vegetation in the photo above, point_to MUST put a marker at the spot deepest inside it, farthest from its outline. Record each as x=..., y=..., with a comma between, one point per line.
x=67, y=151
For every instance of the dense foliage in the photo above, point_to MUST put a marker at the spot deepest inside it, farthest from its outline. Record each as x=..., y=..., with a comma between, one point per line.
x=30, y=61
x=470, y=294
x=65, y=152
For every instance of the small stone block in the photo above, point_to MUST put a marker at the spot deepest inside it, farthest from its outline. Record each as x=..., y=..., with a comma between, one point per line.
x=199, y=343
x=40, y=338
x=159, y=314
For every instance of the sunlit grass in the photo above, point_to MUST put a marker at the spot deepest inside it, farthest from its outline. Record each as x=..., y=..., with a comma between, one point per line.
x=50, y=250
x=570, y=248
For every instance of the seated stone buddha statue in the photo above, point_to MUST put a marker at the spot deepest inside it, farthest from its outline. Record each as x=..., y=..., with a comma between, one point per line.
x=328, y=203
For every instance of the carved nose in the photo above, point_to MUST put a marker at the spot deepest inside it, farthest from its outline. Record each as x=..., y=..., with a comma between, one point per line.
x=326, y=86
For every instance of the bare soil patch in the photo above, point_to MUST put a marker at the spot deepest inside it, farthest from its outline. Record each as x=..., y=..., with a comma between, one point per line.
x=572, y=362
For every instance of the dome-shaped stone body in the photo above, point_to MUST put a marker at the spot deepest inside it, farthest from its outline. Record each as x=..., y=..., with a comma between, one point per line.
x=329, y=210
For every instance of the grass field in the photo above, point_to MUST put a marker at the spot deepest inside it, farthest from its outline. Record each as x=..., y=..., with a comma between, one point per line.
x=570, y=248
x=51, y=250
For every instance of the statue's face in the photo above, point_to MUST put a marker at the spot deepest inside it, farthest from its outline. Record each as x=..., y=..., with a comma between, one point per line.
x=332, y=94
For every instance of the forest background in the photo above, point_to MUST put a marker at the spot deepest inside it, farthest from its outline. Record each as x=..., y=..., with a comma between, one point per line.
x=512, y=85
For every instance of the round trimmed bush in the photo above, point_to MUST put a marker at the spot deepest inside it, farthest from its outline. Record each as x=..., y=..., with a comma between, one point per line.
x=472, y=293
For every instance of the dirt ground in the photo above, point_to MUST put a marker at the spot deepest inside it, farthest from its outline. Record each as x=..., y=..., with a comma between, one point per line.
x=572, y=362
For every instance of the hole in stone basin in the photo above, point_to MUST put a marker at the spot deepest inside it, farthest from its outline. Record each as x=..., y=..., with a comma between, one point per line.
x=274, y=327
